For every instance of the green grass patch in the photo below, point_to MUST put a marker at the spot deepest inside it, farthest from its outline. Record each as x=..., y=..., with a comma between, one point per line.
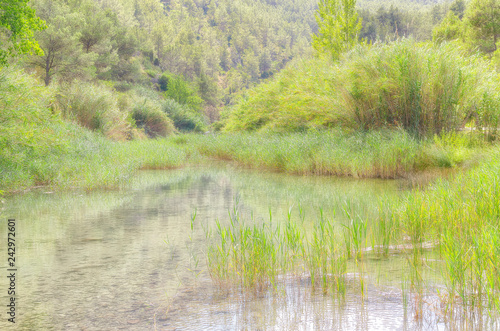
x=372, y=154
x=37, y=148
x=462, y=216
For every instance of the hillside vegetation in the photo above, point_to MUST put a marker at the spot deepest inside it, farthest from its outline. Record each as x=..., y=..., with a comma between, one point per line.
x=423, y=88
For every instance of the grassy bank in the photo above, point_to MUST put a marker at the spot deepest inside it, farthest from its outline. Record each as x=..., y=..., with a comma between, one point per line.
x=371, y=154
x=383, y=111
x=75, y=157
x=39, y=148
x=463, y=217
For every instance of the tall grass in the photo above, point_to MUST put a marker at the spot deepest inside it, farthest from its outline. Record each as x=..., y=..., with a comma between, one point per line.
x=461, y=216
x=456, y=218
x=423, y=88
x=257, y=256
x=94, y=107
x=382, y=154
x=38, y=148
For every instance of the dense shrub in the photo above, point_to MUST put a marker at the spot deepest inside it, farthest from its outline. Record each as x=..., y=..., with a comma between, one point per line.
x=184, y=118
x=181, y=91
x=152, y=120
x=423, y=88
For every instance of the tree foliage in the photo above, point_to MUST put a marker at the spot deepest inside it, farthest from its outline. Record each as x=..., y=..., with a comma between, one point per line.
x=18, y=22
x=451, y=28
x=338, y=26
x=483, y=19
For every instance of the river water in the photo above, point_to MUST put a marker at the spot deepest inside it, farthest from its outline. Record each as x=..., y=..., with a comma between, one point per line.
x=134, y=258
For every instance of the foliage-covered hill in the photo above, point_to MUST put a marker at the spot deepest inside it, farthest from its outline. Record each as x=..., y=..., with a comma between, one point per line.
x=221, y=46
x=151, y=63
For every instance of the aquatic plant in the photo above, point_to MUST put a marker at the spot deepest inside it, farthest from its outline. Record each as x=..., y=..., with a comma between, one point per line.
x=258, y=255
x=461, y=216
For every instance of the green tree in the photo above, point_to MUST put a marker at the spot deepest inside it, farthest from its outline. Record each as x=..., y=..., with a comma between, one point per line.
x=182, y=92
x=338, y=26
x=18, y=22
x=483, y=22
x=458, y=8
x=207, y=89
x=63, y=53
x=451, y=28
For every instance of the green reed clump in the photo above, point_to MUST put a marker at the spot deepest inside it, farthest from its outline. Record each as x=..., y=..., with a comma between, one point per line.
x=461, y=216
x=155, y=153
x=355, y=235
x=383, y=154
x=257, y=255
x=94, y=107
x=472, y=266
x=424, y=88
x=247, y=254
x=386, y=154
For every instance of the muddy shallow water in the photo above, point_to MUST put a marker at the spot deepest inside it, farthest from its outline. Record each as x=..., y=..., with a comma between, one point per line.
x=133, y=259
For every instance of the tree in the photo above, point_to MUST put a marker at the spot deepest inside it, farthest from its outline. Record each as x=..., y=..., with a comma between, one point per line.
x=338, y=26
x=97, y=26
x=181, y=91
x=483, y=21
x=62, y=51
x=458, y=8
x=264, y=64
x=450, y=28
x=18, y=22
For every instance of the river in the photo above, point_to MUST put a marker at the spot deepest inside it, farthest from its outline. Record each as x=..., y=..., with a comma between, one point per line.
x=133, y=259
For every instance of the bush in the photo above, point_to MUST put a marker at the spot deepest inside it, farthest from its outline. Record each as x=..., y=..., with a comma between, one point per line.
x=184, y=119
x=181, y=91
x=425, y=89
x=94, y=107
x=163, y=82
x=152, y=120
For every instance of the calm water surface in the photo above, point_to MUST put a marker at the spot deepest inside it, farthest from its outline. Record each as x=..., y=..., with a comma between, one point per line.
x=129, y=260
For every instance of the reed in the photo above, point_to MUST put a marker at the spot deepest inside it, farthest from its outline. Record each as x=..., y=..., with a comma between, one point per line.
x=371, y=154
x=424, y=88
x=461, y=217
x=257, y=256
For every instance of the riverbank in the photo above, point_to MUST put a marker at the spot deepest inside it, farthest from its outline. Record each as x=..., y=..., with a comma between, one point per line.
x=73, y=157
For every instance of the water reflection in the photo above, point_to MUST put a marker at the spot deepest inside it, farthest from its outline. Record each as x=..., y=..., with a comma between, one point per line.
x=131, y=259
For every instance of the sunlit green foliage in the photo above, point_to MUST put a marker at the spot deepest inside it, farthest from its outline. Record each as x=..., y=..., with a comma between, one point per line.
x=451, y=28
x=384, y=154
x=483, y=19
x=94, y=107
x=338, y=27
x=38, y=148
x=18, y=22
x=422, y=88
x=184, y=118
x=152, y=120
x=180, y=91
x=461, y=216
x=257, y=256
